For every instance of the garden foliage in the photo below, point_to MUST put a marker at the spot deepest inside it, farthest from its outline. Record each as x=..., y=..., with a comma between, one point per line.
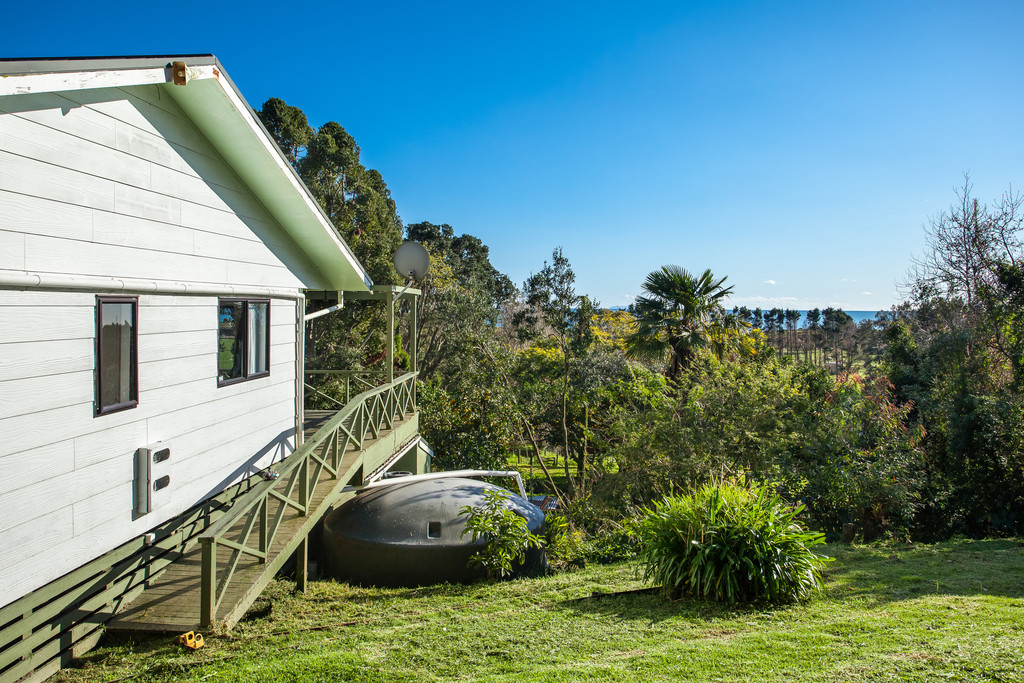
x=906, y=426
x=838, y=443
x=507, y=534
x=730, y=543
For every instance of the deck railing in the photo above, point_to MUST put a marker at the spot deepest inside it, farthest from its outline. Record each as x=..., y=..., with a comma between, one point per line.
x=358, y=380
x=267, y=504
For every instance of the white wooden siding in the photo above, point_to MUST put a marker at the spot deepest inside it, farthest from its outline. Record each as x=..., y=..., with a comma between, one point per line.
x=25, y=468
x=43, y=358
x=26, y=323
x=119, y=183
x=36, y=216
x=12, y=251
x=50, y=181
x=66, y=476
x=24, y=138
x=113, y=183
x=32, y=540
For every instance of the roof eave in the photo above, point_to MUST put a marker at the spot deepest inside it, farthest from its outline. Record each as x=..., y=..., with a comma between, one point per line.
x=219, y=111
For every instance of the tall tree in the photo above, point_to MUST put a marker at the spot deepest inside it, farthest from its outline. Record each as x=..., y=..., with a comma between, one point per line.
x=965, y=245
x=551, y=301
x=288, y=126
x=780, y=327
x=677, y=316
x=836, y=322
x=355, y=199
x=813, y=327
x=757, y=319
x=463, y=295
x=771, y=327
x=792, y=320
x=358, y=203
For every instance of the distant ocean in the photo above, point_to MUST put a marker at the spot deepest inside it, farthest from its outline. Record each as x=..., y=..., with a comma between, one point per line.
x=857, y=316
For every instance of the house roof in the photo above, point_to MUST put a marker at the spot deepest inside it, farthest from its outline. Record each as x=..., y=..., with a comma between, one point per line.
x=218, y=110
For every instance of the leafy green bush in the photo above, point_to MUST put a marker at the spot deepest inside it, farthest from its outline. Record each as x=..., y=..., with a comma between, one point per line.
x=507, y=534
x=730, y=543
x=840, y=444
x=468, y=425
x=569, y=546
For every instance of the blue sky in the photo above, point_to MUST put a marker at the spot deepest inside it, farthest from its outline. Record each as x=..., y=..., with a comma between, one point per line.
x=798, y=148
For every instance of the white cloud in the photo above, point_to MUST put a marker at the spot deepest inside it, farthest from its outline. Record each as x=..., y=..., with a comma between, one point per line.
x=866, y=293
x=769, y=282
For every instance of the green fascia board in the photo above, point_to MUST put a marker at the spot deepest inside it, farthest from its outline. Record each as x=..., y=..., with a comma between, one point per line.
x=216, y=107
x=223, y=116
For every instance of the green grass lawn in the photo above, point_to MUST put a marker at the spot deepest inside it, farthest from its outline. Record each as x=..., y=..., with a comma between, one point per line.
x=534, y=478
x=951, y=611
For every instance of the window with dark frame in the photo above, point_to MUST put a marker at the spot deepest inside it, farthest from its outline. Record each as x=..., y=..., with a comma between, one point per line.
x=243, y=340
x=117, y=362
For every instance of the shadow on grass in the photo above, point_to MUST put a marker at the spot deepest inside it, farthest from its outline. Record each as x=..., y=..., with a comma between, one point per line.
x=368, y=594
x=965, y=568
x=652, y=606
x=137, y=642
x=874, y=574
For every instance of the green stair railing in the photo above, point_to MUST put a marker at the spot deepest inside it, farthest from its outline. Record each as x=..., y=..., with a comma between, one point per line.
x=267, y=504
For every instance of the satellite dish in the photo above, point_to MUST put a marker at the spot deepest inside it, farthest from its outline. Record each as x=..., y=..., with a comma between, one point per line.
x=412, y=261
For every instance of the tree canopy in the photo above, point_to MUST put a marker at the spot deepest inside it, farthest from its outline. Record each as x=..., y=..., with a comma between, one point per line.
x=356, y=199
x=679, y=314
x=906, y=425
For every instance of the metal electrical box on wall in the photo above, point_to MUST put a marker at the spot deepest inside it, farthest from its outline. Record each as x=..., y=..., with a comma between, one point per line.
x=152, y=477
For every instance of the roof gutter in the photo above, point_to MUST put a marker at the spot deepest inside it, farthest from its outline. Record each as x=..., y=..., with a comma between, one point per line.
x=92, y=283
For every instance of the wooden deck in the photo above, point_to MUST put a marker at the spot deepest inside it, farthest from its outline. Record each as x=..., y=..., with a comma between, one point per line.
x=171, y=600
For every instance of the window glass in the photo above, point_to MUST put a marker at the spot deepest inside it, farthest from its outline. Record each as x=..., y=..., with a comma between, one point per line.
x=243, y=340
x=231, y=341
x=116, y=363
x=258, y=338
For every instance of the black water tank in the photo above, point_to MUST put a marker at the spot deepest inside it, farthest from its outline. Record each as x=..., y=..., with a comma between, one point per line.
x=410, y=534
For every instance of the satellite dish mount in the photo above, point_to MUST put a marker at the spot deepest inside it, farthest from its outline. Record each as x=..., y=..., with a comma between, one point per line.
x=411, y=261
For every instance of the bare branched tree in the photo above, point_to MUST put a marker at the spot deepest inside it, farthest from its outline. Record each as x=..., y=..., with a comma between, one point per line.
x=965, y=246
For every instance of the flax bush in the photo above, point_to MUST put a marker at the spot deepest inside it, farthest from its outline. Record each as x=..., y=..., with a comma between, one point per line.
x=730, y=543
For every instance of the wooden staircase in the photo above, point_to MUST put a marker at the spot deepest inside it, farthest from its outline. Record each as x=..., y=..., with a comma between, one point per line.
x=217, y=579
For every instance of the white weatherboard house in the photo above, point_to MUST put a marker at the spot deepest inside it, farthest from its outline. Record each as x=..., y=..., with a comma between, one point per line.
x=156, y=251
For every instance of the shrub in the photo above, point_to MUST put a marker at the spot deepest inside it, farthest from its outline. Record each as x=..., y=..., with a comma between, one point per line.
x=730, y=543
x=568, y=546
x=507, y=534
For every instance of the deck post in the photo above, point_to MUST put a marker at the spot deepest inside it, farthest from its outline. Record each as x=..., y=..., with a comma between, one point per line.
x=208, y=583
x=302, y=565
x=414, y=361
x=264, y=529
x=304, y=492
x=414, y=358
x=300, y=369
x=389, y=299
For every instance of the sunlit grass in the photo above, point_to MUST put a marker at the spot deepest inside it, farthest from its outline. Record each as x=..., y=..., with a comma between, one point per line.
x=952, y=611
x=533, y=474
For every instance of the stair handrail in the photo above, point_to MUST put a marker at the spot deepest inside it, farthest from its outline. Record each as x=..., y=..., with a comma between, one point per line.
x=250, y=498
x=297, y=466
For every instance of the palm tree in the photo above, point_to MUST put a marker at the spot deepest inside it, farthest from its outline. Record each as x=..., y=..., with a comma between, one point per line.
x=679, y=314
